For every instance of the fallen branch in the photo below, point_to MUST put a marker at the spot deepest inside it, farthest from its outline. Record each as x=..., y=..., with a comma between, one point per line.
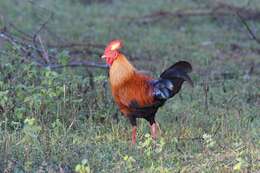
x=23, y=34
x=246, y=13
x=73, y=44
x=252, y=34
x=28, y=50
x=78, y=64
x=45, y=54
x=221, y=9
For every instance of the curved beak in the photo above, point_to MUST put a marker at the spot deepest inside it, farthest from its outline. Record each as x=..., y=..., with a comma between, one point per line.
x=103, y=56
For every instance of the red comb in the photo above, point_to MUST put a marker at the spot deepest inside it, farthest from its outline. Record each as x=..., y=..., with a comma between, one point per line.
x=114, y=45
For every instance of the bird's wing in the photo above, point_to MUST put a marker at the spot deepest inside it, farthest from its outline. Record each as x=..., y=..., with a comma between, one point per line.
x=140, y=99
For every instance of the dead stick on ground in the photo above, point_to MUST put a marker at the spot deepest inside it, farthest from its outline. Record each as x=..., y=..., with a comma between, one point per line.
x=45, y=52
x=206, y=90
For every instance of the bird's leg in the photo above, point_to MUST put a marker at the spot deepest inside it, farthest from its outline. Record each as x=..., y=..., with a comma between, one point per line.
x=134, y=135
x=133, y=123
x=153, y=131
x=153, y=125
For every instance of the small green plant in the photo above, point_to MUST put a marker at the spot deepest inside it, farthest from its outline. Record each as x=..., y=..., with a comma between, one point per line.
x=82, y=167
x=129, y=161
x=31, y=131
x=209, y=142
x=242, y=157
x=3, y=97
x=63, y=57
x=241, y=163
x=147, y=145
x=158, y=169
x=151, y=146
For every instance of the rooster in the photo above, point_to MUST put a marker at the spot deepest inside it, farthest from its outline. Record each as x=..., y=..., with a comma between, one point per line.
x=137, y=94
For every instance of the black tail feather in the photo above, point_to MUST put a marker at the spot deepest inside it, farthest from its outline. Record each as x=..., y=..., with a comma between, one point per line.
x=179, y=74
x=176, y=74
x=178, y=70
x=181, y=65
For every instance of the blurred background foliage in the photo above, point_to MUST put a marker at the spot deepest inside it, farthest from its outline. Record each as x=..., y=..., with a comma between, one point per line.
x=57, y=114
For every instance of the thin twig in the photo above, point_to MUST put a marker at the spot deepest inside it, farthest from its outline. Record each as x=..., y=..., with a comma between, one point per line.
x=45, y=52
x=25, y=35
x=252, y=34
x=26, y=48
x=72, y=123
x=43, y=25
x=206, y=90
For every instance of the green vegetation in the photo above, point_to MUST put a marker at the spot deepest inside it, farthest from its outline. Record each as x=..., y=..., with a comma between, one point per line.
x=64, y=119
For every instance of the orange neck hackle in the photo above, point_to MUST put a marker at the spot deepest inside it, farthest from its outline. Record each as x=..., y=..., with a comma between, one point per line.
x=121, y=70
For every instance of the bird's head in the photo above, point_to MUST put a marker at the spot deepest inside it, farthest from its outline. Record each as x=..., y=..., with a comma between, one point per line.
x=112, y=51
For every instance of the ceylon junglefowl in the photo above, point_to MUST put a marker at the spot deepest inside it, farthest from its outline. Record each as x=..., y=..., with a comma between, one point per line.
x=138, y=95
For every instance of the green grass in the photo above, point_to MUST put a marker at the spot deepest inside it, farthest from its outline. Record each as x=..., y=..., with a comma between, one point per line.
x=54, y=120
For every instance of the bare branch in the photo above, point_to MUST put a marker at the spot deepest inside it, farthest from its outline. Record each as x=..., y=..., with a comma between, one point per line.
x=26, y=50
x=220, y=9
x=43, y=25
x=74, y=44
x=252, y=34
x=45, y=52
x=79, y=64
x=24, y=35
x=206, y=90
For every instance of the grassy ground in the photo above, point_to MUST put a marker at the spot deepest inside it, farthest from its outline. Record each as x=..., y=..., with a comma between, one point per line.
x=56, y=121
